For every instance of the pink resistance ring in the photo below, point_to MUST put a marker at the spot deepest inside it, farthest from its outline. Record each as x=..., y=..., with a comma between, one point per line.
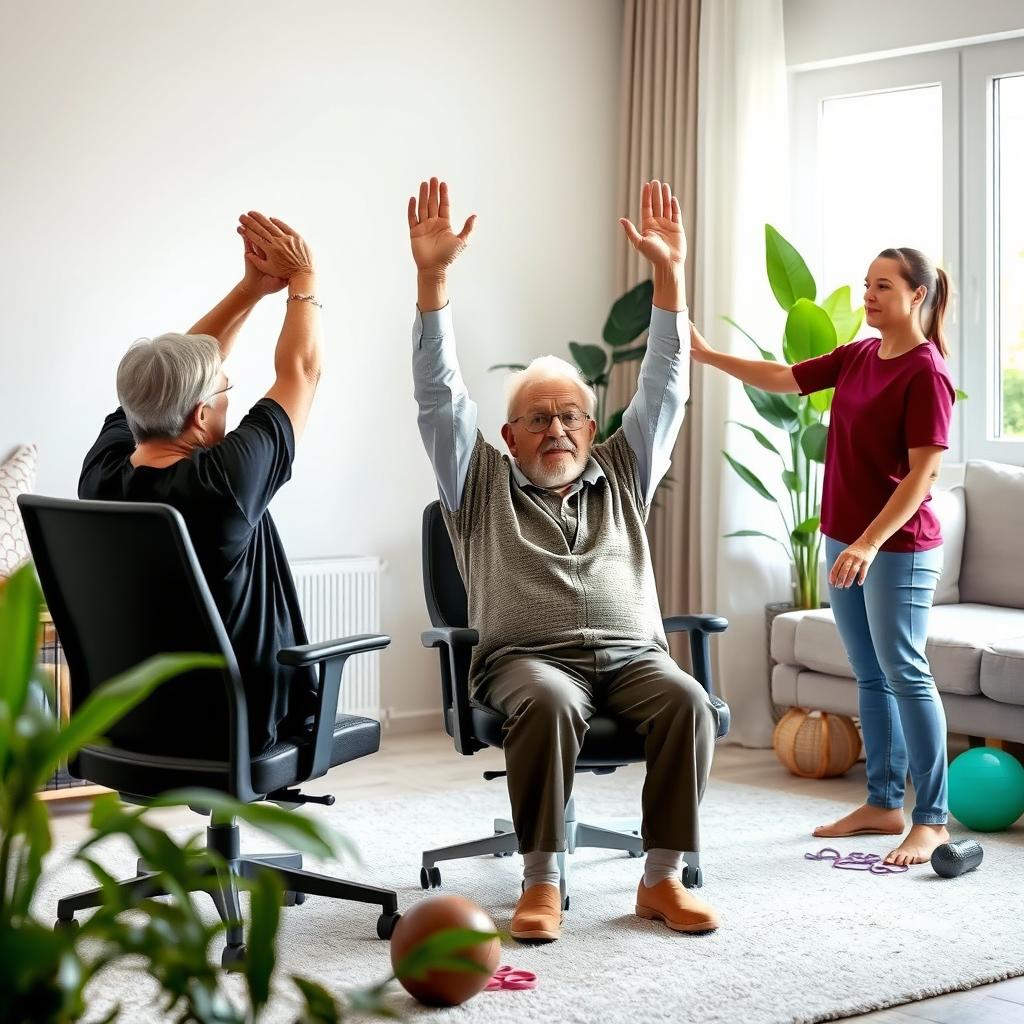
x=511, y=979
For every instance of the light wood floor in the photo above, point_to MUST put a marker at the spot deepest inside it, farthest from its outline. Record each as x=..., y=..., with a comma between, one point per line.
x=427, y=763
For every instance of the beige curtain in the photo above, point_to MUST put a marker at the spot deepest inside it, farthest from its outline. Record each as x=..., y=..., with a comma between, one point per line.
x=658, y=139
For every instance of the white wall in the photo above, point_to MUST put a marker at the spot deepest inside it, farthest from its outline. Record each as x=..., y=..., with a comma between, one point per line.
x=133, y=133
x=837, y=30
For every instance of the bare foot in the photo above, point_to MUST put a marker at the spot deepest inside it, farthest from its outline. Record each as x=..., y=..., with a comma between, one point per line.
x=918, y=846
x=866, y=821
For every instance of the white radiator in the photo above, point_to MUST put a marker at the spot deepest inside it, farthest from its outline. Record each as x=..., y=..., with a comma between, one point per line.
x=341, y=597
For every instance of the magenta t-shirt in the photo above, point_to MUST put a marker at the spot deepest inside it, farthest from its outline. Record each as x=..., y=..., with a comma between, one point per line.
x=881, y=408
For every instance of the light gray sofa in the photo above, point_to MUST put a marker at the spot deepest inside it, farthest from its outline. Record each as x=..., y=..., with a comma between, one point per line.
x=976, y=629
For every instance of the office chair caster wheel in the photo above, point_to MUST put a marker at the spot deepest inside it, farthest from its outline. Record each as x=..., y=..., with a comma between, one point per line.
x=291, y=898
x=233, y=957
x=386, y=925
x=693, y=878
x=71, y=925
x=565, y=902
x=635, y=853
x=430, y=878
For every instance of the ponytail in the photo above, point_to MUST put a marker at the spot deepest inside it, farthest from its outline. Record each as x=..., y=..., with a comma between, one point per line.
x=936, y=331
x=919, y=272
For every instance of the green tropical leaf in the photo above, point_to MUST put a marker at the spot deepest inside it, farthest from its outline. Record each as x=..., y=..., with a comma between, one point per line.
x=111, y=701
x=507, y=366
x=812, y=441
x=591, y=359
x=20, y=601
x=630, y=316
x=264, y=913
x=792, y=481
x=612, y=423
x=629, y=355
x=765, y=354
x=759, y=437
x=821, y=401
x=780, y=411
x=787, y=273
x=803, y=534
x=757, y=533
x=37, y=845
x=844, y=317
x=440, y=951
x=749, y=478
x=809, y=332
x=320, y=1006
x=961, y=396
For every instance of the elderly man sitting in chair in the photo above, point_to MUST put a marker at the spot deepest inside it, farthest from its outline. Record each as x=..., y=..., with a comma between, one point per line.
x=167, y=442
x=552, y=548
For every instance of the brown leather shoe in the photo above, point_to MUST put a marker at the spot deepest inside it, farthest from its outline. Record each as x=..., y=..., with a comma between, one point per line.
x=538, y=915
x=671, y=902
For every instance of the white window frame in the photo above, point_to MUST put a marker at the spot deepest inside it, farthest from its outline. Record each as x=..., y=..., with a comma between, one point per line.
x=980, y=66
x=966, y=74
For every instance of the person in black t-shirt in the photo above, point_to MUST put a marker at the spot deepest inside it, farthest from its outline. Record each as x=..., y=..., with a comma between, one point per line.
x=167, y=442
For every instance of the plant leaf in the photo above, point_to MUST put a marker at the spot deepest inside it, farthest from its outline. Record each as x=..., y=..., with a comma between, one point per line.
x=765, y=354
x=809, y=332
x=961, y=396
x=591, y=359
x=821, y=401
x=787, y=273
x=792, y=480
x=749, y=478
x=780, y=411
x=630, y=315
x=629, y=355
x=441, y=950
x=761, y=439
x=612, y=423
x=813, y=440
x=844, y=317
x=20, y=601
x=757, y=533
x=264, y=915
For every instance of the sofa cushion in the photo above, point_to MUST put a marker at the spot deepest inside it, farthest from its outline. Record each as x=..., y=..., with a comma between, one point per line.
x=958, y=636
x=992, y=569
x=1002, y=671
x=17, y=476
x=950, y=507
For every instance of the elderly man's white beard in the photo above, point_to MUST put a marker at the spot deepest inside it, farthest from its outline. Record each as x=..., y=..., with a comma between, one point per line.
x=564, y=473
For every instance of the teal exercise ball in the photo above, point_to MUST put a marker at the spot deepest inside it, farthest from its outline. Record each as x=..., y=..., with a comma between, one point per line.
x=986, y=789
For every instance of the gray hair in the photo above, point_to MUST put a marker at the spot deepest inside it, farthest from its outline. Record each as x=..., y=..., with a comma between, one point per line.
x=161, y=380
x=548, y=368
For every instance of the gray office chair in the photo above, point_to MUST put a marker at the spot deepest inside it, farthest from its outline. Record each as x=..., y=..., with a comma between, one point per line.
x=609, y=744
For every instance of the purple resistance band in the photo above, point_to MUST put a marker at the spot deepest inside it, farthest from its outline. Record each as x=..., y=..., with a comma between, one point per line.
x=870, y=862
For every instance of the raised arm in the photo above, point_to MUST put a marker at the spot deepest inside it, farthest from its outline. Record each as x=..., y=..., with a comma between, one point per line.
x=224, y=321
x=447, y=415
x=279, y=251
x=758, y=373
x=652, y=420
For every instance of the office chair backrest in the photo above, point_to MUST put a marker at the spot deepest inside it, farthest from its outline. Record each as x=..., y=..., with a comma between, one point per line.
x=123, y=583
x=443, y=588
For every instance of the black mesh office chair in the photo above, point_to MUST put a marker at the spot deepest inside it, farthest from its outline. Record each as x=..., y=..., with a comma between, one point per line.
x=609, y=744
x=123, y=583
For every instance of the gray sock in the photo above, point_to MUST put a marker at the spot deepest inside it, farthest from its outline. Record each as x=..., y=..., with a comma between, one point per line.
x=661, y=864
x=540, y=867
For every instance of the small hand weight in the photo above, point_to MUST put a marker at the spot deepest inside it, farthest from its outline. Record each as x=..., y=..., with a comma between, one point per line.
x=952, y=859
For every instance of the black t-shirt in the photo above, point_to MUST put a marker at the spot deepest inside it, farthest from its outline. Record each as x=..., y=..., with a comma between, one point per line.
x=222, y=493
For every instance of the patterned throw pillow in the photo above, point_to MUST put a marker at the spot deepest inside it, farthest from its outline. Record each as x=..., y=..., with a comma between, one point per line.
x=17, y=476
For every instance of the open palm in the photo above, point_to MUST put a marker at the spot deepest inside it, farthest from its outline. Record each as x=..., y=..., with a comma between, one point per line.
x=660, y=237
x=434, y=245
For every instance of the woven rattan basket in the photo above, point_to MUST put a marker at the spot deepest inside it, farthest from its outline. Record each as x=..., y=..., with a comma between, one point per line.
x=816, y=745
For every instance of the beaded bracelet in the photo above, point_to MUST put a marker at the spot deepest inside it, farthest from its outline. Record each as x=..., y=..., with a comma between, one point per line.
x=306, y=298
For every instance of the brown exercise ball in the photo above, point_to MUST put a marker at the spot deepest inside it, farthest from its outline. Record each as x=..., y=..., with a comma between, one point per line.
x=427, y=918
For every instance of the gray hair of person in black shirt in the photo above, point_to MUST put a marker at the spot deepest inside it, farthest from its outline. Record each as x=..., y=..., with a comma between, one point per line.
x=173, y=388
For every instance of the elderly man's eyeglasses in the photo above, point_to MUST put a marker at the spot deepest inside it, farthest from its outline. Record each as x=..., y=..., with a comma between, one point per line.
x=222, y=391
x=539, y=422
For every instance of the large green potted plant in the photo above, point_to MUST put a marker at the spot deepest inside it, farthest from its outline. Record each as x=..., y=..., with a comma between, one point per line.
x=45, y=972
x=812, y=329
x=629, y=318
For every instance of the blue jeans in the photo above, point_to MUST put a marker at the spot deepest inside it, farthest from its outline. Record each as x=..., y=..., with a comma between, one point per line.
x=883, y=626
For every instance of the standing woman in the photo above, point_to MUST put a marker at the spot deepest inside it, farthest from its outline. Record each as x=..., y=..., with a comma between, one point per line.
x=889, y=425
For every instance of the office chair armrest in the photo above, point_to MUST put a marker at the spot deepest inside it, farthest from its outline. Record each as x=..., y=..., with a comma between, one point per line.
x=313, y=654
x=455, y=645
x=449, y=635
x=699, y=627
x=687, y=623
x=331, y=655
